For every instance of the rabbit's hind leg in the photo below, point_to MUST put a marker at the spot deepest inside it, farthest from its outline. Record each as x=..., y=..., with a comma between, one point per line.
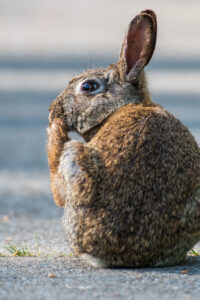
x=94, y=261
x=189, y=228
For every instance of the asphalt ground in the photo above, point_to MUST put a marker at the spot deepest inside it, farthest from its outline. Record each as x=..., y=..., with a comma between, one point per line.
x=31, y=278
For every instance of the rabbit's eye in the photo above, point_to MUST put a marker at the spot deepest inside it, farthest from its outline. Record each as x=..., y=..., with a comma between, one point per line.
x=89, y=86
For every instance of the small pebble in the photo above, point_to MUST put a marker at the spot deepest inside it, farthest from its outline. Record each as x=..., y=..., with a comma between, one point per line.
x=185, y=271
x=51, y=275
x=5, y=218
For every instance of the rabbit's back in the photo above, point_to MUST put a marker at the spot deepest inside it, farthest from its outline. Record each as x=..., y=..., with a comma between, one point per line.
x=151, y=149
x=142, y=192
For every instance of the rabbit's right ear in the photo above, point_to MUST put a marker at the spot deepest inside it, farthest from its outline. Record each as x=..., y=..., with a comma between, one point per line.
x=138, y=46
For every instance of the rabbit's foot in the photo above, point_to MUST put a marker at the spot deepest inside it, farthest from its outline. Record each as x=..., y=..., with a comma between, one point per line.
x=57, y=132
x=94, y=261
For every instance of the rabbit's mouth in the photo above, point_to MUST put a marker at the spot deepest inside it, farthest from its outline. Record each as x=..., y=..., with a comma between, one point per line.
x=73, y=135
x=84, y=138
x=87, y=136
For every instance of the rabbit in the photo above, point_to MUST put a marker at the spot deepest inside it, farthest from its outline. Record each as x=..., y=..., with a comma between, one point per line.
x=131, y=190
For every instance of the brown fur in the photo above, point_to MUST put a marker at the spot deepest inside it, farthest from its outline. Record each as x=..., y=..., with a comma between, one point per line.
x=132, y=191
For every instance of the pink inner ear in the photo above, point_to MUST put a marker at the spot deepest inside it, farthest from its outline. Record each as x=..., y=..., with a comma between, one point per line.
x=136, y=40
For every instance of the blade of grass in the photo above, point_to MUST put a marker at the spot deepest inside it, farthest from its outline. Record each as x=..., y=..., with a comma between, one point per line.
x=16, y=251
x=194, y=252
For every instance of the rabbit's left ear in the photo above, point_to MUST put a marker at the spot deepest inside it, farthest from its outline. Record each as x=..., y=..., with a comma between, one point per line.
x=138, y=46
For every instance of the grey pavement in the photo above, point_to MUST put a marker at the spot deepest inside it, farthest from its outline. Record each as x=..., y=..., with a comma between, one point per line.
x=37, y=58
x=28, y=278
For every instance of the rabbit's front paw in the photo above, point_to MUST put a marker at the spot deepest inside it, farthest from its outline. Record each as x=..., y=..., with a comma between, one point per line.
x=57, y=132
x=57, y=136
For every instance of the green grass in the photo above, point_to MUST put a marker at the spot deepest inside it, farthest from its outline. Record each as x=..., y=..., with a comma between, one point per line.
x=17, y=251
x=37, y=242
x=13, y=250
x=194, y=252
x=25, y=252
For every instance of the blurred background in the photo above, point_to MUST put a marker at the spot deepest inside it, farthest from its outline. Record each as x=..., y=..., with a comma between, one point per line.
x=43, y=44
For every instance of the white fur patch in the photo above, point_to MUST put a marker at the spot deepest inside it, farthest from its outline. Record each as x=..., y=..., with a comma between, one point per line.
x=75, y=136
x=68, y=167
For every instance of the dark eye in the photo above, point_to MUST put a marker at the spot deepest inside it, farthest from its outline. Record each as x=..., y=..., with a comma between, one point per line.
x=89, y=86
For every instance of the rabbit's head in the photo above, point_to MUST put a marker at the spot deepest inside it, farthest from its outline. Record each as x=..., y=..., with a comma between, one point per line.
x=95, y=94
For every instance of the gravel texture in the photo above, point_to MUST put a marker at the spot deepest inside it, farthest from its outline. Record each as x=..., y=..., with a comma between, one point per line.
x=31, y=278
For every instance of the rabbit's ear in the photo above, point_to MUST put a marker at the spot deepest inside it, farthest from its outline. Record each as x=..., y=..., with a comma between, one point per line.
x=138, y=46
